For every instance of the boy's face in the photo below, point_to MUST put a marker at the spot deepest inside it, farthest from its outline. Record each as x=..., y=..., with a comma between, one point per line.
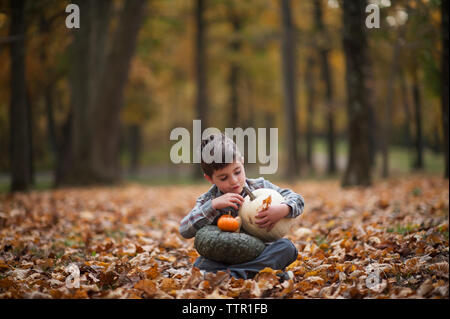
x=229, y=179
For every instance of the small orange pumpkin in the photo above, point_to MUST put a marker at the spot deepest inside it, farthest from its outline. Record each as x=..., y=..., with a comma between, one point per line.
x=228, y=223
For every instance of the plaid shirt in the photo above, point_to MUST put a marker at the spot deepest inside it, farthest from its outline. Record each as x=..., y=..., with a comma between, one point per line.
x=204, y=214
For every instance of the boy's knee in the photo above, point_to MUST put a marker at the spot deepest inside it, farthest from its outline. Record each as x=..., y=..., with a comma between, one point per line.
x=289, y=248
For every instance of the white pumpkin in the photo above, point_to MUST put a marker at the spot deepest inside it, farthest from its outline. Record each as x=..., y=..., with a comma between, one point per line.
x=250, y=209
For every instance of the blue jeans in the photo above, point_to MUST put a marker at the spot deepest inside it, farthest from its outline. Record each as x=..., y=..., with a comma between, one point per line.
x=276, y=255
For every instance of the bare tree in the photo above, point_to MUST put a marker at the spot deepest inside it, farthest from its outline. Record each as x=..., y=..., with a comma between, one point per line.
x=358, y=171
x=289, y=89
x=19, y=116
x=101, y=58
x=327, y=78
x=444, y=79
x=201, y=71
x=310, y=82
x=417, y=102
x=234, y=75
x=406, y=108
x=386, y=130
x=200, y=63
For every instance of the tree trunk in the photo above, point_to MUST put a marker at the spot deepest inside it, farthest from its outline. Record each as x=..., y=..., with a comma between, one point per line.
x=48, y=92
x=252, y=118
x=444, y=80
x=110, y=102
x=373, y=145
x=65, y=152
x=200, y=67
x=51, y=128
x=30, y=139
x=289, y=89
x=310, y=100
x=233, y=121
x=135, y=147
x=386, y=130
x=418, y=164
x=200, y=62
x=327, y=78
x=19, y=117
x=88, y=49
x=269, y=121
x=233, y=79
x=99, y=75
x=406, y=108
x=358, y=171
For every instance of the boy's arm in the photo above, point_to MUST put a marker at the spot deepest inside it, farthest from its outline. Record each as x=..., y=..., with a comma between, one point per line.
x=202, y=214
x=291, y=198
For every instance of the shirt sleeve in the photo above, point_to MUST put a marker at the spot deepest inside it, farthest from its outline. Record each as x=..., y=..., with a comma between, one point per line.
x=202, y=214
x=291, y=198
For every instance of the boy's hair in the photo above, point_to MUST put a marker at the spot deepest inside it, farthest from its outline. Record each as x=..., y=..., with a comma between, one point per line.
x=229, y=151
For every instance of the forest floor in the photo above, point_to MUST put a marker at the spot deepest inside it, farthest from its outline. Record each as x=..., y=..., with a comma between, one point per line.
x=386, y=241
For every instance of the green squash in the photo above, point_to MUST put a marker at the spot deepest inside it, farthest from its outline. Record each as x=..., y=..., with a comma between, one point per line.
x=227, y=247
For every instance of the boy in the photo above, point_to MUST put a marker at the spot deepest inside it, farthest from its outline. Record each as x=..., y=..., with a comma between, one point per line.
x=227, y=195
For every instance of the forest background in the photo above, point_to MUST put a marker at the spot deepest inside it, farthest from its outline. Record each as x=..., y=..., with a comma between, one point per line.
x=97, y=104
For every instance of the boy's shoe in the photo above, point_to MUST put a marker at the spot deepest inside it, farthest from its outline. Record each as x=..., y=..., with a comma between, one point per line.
x=285, y=275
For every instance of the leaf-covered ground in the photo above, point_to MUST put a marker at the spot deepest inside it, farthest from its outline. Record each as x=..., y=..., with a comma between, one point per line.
x=386, y=241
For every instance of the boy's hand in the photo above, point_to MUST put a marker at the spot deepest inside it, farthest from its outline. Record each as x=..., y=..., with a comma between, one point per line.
x=269, y=217
x=227, y=200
